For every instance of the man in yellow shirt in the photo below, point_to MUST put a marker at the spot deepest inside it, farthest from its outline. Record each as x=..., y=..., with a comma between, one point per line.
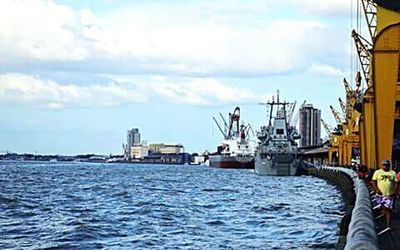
x=384, y=183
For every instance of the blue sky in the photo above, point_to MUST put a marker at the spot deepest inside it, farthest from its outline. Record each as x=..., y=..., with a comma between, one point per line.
x=76, y=75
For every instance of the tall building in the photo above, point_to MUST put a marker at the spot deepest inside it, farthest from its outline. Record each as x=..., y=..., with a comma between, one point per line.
x=133, y=137
x=310, y=126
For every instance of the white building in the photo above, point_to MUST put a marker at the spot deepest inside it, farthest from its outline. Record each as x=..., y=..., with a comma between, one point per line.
x=161, y=148
x=139, y=151
x=172, y=149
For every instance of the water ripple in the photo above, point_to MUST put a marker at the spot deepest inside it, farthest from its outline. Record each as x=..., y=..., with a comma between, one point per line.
x=95, y=206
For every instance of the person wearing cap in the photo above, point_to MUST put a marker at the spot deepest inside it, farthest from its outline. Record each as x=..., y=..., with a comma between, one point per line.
x=384, y=183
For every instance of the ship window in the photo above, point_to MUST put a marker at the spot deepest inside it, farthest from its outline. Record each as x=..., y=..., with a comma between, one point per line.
x=279, y=131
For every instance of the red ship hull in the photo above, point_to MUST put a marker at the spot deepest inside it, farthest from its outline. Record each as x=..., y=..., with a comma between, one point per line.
x=236, y=162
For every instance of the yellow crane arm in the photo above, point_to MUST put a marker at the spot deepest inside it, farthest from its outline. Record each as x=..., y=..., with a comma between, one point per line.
x=336, y=115
x=369, y=8
x=347, y=87
x=342, y=106
x=327, y=127
x=364, y=48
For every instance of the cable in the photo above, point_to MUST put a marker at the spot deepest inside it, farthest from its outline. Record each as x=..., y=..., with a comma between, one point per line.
x=358, y=26
x=351, y=42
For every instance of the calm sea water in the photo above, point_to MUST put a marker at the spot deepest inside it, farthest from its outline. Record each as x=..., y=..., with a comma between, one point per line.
x=112, y=206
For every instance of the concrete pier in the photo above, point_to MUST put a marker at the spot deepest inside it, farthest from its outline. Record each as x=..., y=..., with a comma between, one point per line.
x=357, y=229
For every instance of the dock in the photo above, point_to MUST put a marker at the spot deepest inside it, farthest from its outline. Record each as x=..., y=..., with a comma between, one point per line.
x=367, y=129
x=362, y=224
x=391, y=239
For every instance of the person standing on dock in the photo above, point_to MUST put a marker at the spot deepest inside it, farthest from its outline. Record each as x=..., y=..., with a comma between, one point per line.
x=397, y=191
x=384, y=182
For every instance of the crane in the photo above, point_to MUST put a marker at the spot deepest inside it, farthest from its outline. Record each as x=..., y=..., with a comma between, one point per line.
x=336, y=115
x=327, y=127
x=364, y=48
x=347, y=87
x=233, y=127
x=220, y=129
x=234, y=118
x=225, y=123
x=342, y=106
x=369, y=8
x=291, y=111
x=126, y=151
x=352, y=96
x=296, y=117
x=247, y=129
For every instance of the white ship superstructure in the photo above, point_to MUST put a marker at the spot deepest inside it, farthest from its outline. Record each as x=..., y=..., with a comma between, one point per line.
x=236, y=150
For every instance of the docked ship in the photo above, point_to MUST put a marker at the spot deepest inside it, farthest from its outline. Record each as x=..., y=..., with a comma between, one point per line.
x=236, y=150
x=276, y=153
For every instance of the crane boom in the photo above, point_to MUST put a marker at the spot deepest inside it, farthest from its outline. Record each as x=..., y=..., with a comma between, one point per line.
x=220, y=129
x=364, y=48
x=291, y=112
x=252, y=131
x=347, y=87
x=225, y=123
x=327, y=127
x=342, y=106
x=296, y=117
x=336, y=115
x=369, y=8
x=249, y=129
x=234, y=118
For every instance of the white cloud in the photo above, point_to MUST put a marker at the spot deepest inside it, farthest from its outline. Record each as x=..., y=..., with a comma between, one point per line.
x=326, y=70
x=331, y=7
x=19, y=89
x=40, y=30
x=191, y=39
x=184, y=42
x=205, y=91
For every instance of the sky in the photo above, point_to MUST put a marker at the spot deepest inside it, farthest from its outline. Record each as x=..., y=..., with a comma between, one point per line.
x=76, y=75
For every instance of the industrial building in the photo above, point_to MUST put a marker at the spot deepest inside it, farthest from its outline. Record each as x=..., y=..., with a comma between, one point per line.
x=161, y=148
x=139, y=151
x=310, y=126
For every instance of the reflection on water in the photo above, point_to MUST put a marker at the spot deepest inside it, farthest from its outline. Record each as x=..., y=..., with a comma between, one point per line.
x=82, y=205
